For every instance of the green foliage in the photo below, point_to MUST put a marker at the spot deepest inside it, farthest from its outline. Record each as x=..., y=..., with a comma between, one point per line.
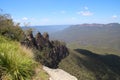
x=40, y=74
x=16, y=62
x=9, y=28
x=90, y=63
x=43, y=56
x=71, y=65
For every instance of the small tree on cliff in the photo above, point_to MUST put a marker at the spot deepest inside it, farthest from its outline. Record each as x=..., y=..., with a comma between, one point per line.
x=9, y=29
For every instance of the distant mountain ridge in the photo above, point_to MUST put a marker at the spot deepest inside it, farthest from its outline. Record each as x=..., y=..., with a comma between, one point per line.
x=99, y=25
x=46, y=28
x=103, y=35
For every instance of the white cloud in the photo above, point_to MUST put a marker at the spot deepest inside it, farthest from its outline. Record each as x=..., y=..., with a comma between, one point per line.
x=86, y=8
x=114, y=16
x=85, y=13
x=25, y=18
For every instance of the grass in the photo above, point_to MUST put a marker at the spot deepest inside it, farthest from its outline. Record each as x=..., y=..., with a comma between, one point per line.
x=40, y=74
x=16, y=61
x=96, y=49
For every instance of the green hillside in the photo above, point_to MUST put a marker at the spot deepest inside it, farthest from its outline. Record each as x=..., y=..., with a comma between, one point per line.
x=17, y=62
x=94, y=51
x=90, y=63
x=99, y=35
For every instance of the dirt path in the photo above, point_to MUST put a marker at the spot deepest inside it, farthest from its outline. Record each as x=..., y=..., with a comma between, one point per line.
x=58, y=74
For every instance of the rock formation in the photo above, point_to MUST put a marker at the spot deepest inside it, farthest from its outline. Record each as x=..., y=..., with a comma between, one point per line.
x=50, y=53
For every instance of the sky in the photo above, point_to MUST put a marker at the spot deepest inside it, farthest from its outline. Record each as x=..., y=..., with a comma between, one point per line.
x=61, y=12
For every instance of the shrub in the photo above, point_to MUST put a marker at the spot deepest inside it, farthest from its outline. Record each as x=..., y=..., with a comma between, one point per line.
x=9, y=28
x=16, y=62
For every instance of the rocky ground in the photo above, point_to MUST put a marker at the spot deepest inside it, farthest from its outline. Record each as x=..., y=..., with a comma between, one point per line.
x=58, y=74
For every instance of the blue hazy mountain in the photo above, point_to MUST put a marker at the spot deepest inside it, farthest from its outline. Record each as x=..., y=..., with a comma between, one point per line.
x=48, y=28
x=104, y=35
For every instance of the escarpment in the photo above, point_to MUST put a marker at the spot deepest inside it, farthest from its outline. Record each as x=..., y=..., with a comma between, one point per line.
x=47, y=52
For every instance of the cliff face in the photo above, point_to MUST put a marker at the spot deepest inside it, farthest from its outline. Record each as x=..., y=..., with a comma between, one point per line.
x=49, y=53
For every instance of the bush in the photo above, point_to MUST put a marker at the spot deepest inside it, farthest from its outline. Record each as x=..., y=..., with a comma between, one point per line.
x=16, y=62
x=9, y=28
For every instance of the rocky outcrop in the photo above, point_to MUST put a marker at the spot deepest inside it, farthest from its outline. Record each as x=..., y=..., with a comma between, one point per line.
x=29, y=41
x=49, y=53
x=58, y=74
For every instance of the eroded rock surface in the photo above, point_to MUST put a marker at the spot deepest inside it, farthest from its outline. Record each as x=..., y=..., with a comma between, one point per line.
x=58, y=74
x=49, y=53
